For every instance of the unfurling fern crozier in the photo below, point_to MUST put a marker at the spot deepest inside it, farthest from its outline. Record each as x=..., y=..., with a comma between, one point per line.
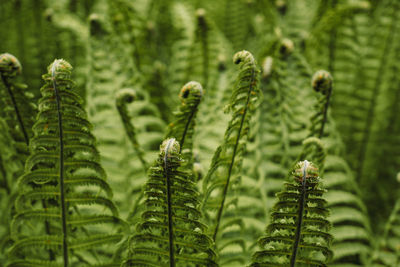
x=298, y=232
x=169, y=232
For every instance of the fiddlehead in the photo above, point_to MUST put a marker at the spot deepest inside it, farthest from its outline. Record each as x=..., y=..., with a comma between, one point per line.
x=182, y=128
x=321, y=83
x=170, y=233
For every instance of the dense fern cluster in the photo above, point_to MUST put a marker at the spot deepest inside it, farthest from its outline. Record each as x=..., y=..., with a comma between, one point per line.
x=157, y=150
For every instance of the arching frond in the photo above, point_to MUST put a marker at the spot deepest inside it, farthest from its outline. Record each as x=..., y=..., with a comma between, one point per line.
x=223, y=177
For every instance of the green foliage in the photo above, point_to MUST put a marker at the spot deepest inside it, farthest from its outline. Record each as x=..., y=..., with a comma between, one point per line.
x=298, y=231
x=387, y=253
x=223, y=178
x=123, y=97
x=237, y=148
x=170, y=231
x=183, y=127
x=19, y=111
x=63, y=188
x=348, y=214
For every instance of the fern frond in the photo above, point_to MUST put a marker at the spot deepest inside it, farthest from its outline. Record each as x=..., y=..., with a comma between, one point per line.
x=103, y=83
x=182, y=128
x=348, y=213
x=282, y=124
x=19, y=110
x=123, y=97
x=298, y=231
x=169, y=233
x=223, y=177
x=57, y=186
x=321, y=82
x=10, y=168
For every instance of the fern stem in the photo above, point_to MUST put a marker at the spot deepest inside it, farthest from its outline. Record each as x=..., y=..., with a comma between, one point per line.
x=170, y=226
x=325, y=115
x=62, y=193
x=322, y=82
x=123, y=97
x=182, y=141
x=221, y=207
x=20, y=122
x=299, y=217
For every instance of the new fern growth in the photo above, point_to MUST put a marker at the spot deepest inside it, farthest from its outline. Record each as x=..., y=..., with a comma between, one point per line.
x=182, y=128
x=170, y=232
x=321, y=82
x=63, y=193
x=224, y=172
x=313, y=147
x=18, y=110
x=124, y=97
x=298, y=232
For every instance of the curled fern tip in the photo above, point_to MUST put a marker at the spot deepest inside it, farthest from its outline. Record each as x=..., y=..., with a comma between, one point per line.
x=322, y=81
x=287, y=47
x=243, y=56
x=9, y=65
x=191, y=88
x=170, y=146
x=305, y=170
x=60, y=69
x=126, y=95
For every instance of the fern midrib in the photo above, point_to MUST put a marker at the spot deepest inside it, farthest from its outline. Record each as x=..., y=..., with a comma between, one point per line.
x=130, y=132
x=20, y=122
x=371, y=109
x=299, y=217
x=170, y=226
x=61, y=167
x=325, y=114
x=220, y=210
x=182, y=141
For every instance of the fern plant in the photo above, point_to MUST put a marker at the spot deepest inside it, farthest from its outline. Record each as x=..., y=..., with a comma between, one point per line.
x=348, y=214
x=123, y=97
x=19, y=109
x=63, y=188
x=223, y=177
x=170, y=232
x=298, y=232
x=130, y=60
x=182, y=128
